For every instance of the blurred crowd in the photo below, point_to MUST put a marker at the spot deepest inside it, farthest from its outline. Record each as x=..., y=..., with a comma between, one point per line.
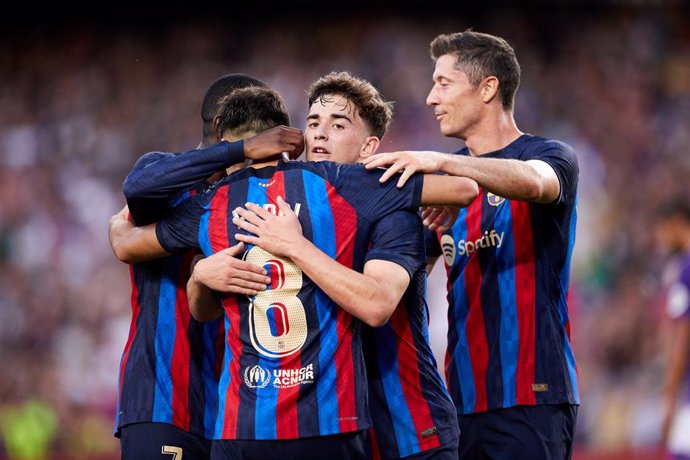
x=81, y=102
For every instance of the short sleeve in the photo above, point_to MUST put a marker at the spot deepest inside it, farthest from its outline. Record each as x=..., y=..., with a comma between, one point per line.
x=180, y=230
x=561, y=157
x=371, y=198
x=431, y=244
x=397, y=238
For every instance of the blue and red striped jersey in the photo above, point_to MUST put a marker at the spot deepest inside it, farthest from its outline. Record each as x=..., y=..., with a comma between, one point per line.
x=170, y=365
x=678, y=305
x=293, y=363
x=508, y=265
x=411, y=408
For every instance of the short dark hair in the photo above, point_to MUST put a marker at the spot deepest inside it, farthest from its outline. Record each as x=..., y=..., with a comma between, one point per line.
x=222, y=87
x=252, y=110
x=678, y=205
x=481, y=55
x=374, y=110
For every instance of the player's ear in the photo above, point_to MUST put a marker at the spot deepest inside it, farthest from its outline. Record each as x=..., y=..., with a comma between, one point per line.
x=216, y=127
x=489, y=88
x=369, y=147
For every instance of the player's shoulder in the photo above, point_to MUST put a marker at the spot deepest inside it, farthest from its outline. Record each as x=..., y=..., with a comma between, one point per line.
x=327, y=169
x=151, y=157
x=544, y=143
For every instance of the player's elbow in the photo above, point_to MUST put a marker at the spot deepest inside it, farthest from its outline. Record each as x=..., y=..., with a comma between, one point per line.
x=133, y=187
x=204, y=314
x=379, y=312
x=466, y=190
x=122, y=252
x=533, y=190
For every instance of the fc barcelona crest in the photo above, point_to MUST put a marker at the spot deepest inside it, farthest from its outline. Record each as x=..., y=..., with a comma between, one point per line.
x=494, y=200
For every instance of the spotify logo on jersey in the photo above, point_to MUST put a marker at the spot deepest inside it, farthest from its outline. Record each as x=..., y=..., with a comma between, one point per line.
x=448, y=248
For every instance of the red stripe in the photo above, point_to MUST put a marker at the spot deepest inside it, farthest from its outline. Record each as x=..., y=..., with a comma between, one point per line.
x=134, y=301
x=232, y=396
x=287, y=426
x=179, y=366
x=218, y=220
x=375, y=452
x=525, y=292
x=474, y=327
x=345, y=230
x=410, y=381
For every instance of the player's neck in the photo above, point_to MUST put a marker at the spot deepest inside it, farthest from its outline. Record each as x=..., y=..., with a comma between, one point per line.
x=263, y=163
x=494, y=132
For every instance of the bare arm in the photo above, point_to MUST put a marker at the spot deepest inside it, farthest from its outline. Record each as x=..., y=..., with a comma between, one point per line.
x=203, y=304
x=430, y=263
x=225, y=273
x=132, y=244
x=371, y=296
x=440, y=190
x=678, y=358
x=532, y=180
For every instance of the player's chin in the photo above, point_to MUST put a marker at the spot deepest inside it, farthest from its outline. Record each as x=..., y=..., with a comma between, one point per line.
x=319, y=157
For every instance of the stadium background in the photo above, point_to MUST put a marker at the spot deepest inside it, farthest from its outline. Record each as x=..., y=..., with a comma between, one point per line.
x=85, y=89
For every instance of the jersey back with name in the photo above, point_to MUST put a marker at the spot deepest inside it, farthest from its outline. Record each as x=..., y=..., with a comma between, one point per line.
x=508, y=265
x=293, y=363
x=170, y=366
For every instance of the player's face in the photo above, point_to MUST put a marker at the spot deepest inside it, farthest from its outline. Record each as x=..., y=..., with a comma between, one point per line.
x=456, y=102
x=335, y=131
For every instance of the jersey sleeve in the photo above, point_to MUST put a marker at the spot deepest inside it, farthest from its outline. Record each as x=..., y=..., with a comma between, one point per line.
x=432, y=246
x=157, y=176
x=678, y=297
x=561, y=157
x=371, y=198
x=398, y=238
x=179, y=231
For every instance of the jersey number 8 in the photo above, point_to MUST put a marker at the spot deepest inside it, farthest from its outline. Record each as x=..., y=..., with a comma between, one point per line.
x=277, y=320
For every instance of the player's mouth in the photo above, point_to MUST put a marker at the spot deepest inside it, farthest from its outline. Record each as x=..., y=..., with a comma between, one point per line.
x=439, y=115
x=320, y=151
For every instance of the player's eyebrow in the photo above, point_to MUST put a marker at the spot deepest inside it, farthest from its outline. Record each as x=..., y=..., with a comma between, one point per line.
x=335, y=116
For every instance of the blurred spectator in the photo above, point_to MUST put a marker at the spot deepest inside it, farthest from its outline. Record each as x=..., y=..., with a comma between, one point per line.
x=81, y=102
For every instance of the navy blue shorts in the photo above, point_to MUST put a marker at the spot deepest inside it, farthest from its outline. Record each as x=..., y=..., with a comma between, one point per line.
x=151, y=441
x=521, y=432
x=346, y=446
x=447, y=452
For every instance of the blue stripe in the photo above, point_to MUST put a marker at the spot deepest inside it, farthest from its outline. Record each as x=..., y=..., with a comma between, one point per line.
x=265, y=419
x=165, y=341
x=509, y=332
x=183, y=196
x=323, y=236
x=403, y=425
x=224, y=382
x=461, y=353
x=204, y=241
x=563, y=308
x=209, y=378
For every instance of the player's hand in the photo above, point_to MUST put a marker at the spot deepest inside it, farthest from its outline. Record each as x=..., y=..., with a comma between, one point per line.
x=224, y=272
x=439, y=219
x=406, y=162
x=276, y=234
x=273, y=141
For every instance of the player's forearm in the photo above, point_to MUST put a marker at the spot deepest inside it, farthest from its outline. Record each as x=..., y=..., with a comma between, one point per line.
x=677, y=361
x=203, y=305
x=440, y=190
x=511, y=179
x=358, y=294
x=132, y=244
